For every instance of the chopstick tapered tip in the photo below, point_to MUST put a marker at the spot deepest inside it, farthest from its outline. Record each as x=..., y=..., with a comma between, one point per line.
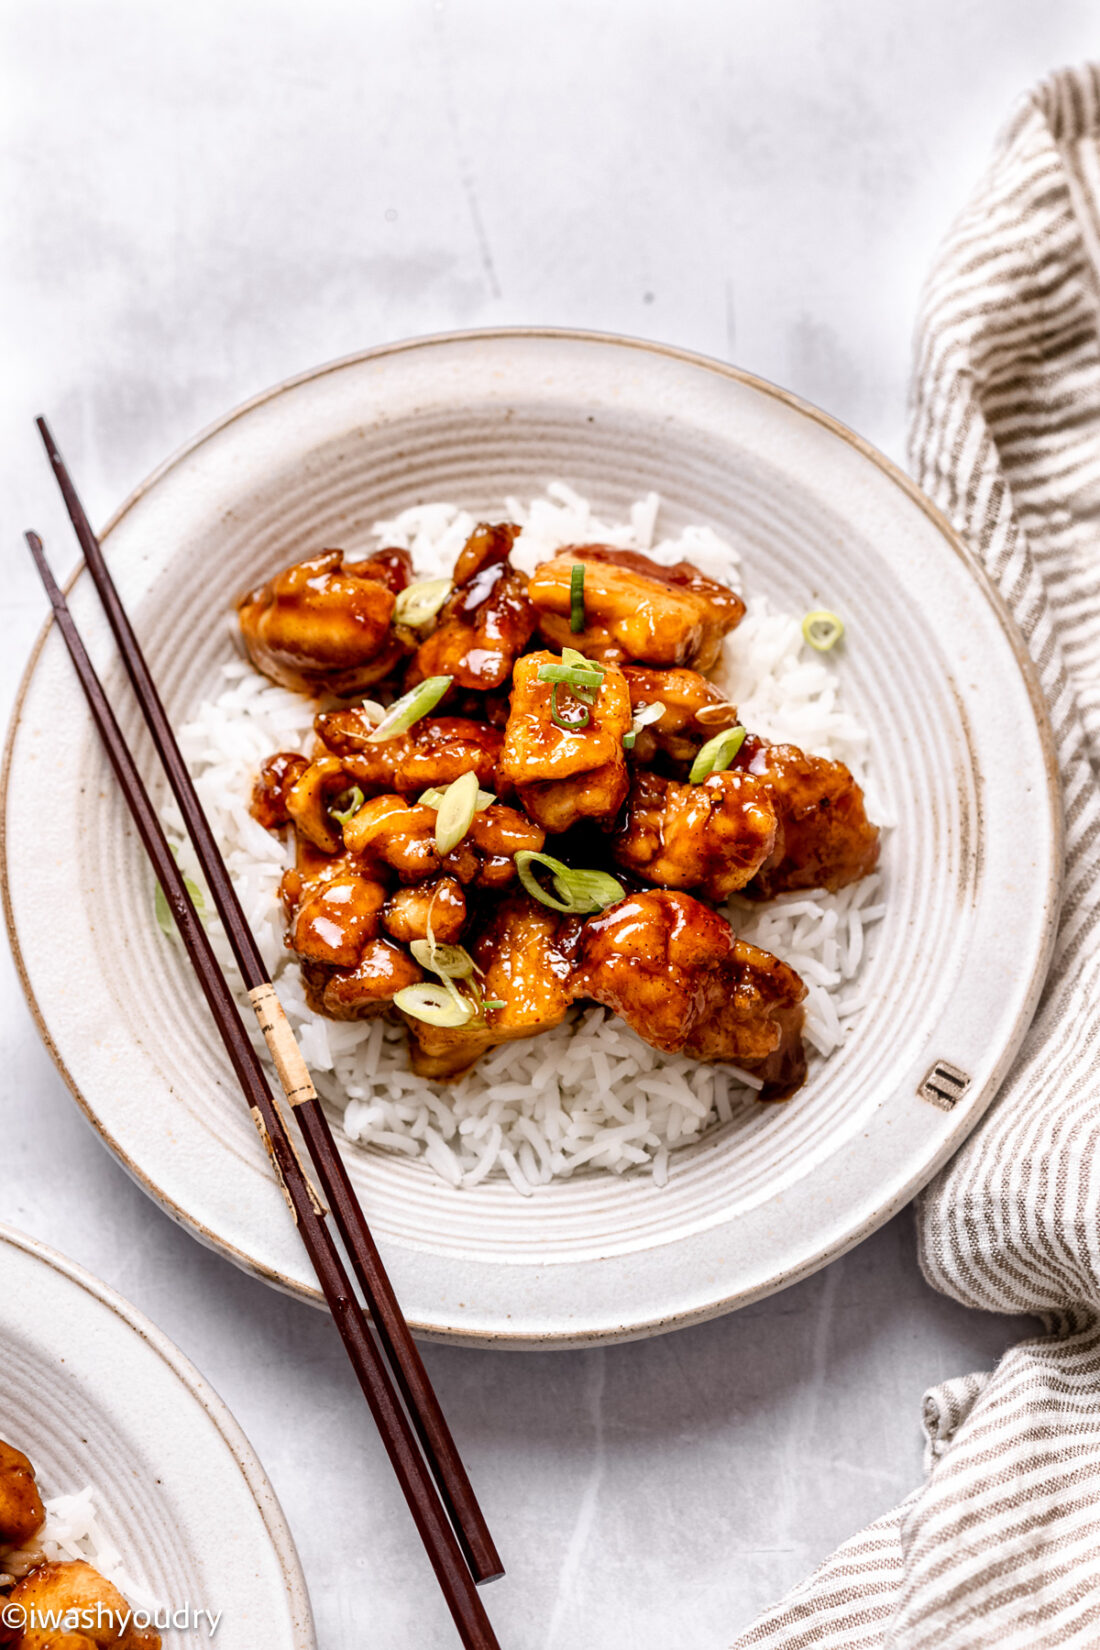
x=34, y=541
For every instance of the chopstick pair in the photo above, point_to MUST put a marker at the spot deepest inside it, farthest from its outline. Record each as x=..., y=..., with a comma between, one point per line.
x=446, y=1511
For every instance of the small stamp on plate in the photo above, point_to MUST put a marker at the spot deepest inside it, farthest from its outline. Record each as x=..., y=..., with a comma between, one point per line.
x=944, y=1085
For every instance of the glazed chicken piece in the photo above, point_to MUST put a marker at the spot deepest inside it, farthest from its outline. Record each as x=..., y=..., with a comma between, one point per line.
x=487, y=620
x=694, y=711
x=435, y=751
x=671, y=968
x=634, y=608
x=279, y=774
x=103, y=1616
x=428, y=910
x=21, y=1509
x=523, y=967
x=825, y=839
x=334, y=907
x=562, y=775
x=712, y=837
x=402, y=835
x=323, y=625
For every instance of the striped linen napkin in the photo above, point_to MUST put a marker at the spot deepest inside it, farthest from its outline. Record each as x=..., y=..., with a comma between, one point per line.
x=1001, y=1544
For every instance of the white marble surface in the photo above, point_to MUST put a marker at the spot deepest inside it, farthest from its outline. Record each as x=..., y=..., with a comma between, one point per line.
x=200, y=199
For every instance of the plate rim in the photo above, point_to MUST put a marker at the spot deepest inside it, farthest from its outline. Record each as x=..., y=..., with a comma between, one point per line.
x=217, y=1411
x=975, y=1106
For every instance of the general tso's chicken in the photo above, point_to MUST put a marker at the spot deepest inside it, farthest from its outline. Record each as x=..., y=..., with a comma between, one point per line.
x=21, y=1509
x=74, y=1593
x=433, y=910
x=825, y=839
x=671, y=968
x=279, y=774
x=401, y=835
x=634, y=608
x=323, y=625
x=712, y=837
x=487, y=620
x=563, y=774
x=694, y=711
x=435, y=751
x=523, y=967
x=335, y=915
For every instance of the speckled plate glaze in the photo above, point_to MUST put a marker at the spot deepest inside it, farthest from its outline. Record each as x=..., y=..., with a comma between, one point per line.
x=95, y=1394
x=933, y=666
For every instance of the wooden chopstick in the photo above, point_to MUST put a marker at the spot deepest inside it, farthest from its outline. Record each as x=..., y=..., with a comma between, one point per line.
x=428, y=1511
x=404, y=1356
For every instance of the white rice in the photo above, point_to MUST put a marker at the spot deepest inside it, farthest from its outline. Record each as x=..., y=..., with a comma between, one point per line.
x=589, y=1094
x=72, y=1531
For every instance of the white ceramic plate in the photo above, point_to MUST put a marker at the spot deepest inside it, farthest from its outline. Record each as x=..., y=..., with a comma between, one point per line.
x=95, y=1394
x=933, y=666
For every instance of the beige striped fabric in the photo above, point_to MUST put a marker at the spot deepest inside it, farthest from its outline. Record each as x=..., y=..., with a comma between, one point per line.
x=1001, y=1545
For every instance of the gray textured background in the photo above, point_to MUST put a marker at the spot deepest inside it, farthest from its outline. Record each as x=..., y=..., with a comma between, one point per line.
x=202, y=199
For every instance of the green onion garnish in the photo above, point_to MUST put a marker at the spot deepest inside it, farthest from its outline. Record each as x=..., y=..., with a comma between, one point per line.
x=350, y=804
x=410, y=708
x=457, y=807
x=579, y=891
x=642, y=719
x=493, y=1002
x=165, y=920
x=822, y=630
x=418, y=605
x=450, y=962
x=433, y=797
x=716, y=754
x=434, y=1004
x=571, y=675
x=576, y=598
x=561, y=721
x=579, y=661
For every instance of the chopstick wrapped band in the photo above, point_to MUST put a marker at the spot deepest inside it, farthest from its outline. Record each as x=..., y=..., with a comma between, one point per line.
x=449, y=1558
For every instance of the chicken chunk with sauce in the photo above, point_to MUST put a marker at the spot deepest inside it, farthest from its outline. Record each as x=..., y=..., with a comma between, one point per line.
x=21, y=1509
x=634, y=608
x=694, y=711
x=523, y=967
x=712, y=837
x=434, y=752
x=825, y=839
x=671, y=968
x=335, y=915
x=487, y=620
x=323, y=625
x=56, y=1591
x=402, y=835
x=564, y=774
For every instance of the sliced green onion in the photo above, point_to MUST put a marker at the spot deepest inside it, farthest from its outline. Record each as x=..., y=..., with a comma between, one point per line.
x=410, y=708
x=434, y=1004
x=165, y=920
x=716, y=754
x=351, y=802
x=450, y=962
x=457, y=807
x=642, y=719
x=573, y=658
x=576, y=598
x=418, y=605
x=572, y=675
x=822, y=629
x=561, y=721
x=493, y=1002
x=578, y=891
x=433, y=797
